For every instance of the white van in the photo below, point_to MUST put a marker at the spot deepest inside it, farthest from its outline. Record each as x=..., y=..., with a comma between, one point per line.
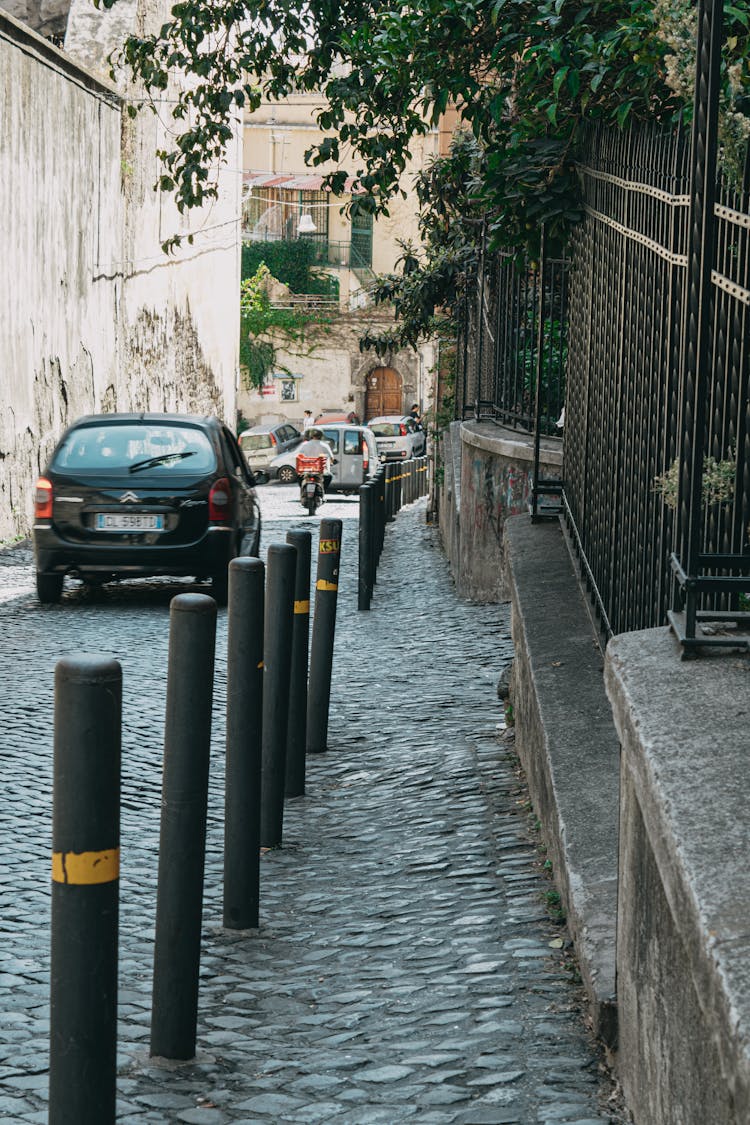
x=355, y=454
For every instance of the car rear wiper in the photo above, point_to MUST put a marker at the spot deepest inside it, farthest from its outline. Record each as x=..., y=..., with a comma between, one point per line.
x=162, y=460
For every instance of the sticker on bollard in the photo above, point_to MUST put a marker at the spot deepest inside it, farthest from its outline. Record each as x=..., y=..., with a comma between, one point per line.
x=324, y=627
x=297, y=730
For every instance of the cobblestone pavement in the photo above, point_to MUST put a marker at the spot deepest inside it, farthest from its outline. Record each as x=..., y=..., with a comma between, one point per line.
x=406, y=968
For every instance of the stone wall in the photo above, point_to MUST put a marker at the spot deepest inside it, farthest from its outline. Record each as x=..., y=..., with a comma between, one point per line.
x=94, y=316
x=683, y=974
x=486, y=471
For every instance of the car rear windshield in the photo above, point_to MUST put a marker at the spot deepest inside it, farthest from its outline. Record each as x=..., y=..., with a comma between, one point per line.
x=386, y=429
x=136, y=450
x=251, y=443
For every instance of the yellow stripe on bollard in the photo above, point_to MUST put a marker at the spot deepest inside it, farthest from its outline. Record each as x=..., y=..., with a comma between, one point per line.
x=302, y=607
x=329, y=546
x=86, y=868
x=322, y=584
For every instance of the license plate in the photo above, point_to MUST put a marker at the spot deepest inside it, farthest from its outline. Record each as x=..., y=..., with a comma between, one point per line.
x=129, y=521
x=311, y=489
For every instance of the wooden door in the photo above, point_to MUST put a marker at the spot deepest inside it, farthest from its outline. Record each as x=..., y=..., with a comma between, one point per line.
x=384, y=393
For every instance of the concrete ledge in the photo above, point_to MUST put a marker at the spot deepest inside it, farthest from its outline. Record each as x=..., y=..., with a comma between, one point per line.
x=684, y=921
x=514, y=445
x=568, y=747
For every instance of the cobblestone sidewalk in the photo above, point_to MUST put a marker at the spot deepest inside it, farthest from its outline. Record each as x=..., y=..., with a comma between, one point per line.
x=406, y=968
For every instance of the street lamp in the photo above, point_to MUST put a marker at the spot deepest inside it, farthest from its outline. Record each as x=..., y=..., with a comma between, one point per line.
x=306, y=224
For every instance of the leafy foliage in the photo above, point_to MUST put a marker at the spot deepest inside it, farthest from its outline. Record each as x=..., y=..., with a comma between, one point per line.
x=718, y=484
x=430, y=279
x=261, y=325
x=521, y=75
x=290, y=262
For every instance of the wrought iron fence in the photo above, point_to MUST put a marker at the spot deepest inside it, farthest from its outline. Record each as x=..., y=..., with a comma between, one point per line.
x=654, y=368
x=648, y=454
x=512, y=337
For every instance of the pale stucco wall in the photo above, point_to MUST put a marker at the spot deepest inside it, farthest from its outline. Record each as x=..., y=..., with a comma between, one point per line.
x=93, y=316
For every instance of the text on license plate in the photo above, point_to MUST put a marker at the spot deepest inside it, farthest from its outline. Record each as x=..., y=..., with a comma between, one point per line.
x=129, y=521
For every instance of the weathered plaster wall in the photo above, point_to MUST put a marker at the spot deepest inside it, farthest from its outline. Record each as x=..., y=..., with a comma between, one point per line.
x=95, y=317
x=47, y=17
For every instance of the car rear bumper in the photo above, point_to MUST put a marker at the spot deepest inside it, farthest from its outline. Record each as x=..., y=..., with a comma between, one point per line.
x=206, y=556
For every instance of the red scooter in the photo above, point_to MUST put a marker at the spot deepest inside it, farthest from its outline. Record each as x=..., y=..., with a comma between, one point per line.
x=311, y=472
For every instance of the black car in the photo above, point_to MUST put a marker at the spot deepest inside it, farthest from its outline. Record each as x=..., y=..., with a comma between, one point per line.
x=128, y=495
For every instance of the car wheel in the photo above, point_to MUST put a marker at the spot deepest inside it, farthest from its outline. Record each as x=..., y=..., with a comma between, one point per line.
x=49, y=588
x=287, y=474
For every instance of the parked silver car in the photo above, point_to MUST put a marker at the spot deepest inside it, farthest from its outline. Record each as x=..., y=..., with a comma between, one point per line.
x=398, y=437
x=261, y=444
x=355, y=455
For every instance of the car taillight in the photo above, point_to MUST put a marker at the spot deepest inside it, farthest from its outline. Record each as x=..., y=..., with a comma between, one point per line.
x=43, y=499
x=273, y=439
x=365, y=456
x=219, y=507
x=402, y=429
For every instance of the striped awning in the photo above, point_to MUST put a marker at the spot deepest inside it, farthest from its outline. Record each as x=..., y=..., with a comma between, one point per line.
x=294, y=183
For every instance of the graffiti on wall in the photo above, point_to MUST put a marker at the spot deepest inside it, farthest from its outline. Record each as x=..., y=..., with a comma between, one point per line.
x=497, y=489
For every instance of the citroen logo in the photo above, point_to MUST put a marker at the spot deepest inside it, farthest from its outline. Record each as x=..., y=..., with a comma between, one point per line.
x=129, y=498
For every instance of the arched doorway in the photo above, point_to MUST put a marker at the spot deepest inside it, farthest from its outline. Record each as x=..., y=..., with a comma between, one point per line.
x=384, y=394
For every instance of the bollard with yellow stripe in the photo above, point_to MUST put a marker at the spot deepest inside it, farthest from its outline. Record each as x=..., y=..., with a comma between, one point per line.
x=296, y=738
x=324, y=628
x=85, y=891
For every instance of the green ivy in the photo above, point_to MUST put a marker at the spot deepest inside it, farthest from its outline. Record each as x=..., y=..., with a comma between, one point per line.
x=291, y=263
x=260, y=323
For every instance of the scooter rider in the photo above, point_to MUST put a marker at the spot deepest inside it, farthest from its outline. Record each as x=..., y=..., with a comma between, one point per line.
x=315, y=446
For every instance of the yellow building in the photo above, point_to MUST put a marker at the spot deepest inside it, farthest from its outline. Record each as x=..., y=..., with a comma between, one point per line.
x=284, y=199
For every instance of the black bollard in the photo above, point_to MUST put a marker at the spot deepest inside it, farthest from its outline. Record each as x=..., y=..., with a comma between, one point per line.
x=296, y=737
x=382, y=515
x=324, y=627
x=85, y=891
x=277, y=663
x=182, y=842
x=244, y=739
x=390, y=504
x=366, y=545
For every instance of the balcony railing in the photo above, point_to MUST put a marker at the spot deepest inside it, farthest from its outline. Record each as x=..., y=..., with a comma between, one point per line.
x=331, y=255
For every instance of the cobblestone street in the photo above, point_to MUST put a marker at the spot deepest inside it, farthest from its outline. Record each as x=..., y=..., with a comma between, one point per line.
x=406, y=967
